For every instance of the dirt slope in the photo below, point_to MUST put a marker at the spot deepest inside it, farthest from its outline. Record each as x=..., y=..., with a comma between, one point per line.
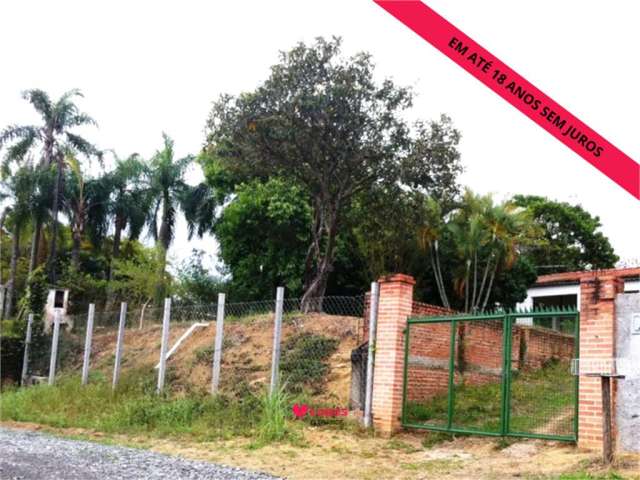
x=247, y=348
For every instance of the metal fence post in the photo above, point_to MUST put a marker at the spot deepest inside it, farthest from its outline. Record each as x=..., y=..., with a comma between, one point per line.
x=373, y=324
x=54, y=347
x=87, y=344
x=277, y=332
x=217, y=353
x=118, y=360
x=27, y=346
x=164, y=344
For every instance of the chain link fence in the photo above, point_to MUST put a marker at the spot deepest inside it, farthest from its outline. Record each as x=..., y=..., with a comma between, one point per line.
x=314, y=348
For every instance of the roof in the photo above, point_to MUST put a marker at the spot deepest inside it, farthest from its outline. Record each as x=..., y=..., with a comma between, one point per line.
x=575, y=277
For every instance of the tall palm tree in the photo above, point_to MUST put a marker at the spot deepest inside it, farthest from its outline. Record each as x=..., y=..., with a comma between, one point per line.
x=54, y=138
x=127, y=207
x=168, y=193
x=130, y=200
x=17, y=189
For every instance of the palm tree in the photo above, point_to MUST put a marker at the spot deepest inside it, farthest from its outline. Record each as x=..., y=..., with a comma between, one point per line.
x=17, y=189
x=485, y=237
x=129, y=204
x=168, y=193
x=55, y=139
x=127, y=207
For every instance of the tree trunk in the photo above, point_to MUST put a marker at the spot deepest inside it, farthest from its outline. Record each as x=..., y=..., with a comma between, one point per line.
x=57, y=191
x=3, y=217
x=75, y=251
x=316, y=288
x=35, y=246
x=115, y=253
x=490, y=286
x=11, y=284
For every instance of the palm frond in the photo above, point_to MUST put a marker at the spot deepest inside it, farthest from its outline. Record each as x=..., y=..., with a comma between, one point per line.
x=82, y=146
x=40, y=101
x=13, y=132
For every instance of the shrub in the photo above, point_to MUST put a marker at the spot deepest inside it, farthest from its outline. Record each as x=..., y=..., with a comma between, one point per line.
x=304, y=361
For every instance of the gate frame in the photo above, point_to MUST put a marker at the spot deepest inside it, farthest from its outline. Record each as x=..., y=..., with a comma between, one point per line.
x=507, y=317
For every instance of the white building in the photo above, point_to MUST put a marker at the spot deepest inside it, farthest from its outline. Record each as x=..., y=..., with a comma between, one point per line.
x=563, y=289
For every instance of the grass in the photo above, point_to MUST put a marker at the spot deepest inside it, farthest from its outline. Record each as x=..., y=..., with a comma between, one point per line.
x=541, y=402
x=134, y=408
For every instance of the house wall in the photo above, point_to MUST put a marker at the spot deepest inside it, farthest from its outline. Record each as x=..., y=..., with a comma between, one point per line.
x=628, y=348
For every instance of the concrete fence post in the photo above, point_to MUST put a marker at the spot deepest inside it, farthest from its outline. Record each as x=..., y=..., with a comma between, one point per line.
x=277, y=333
x=87, y=344
x=217, y=352
x=119, y=344
x=164, y=344
x=54, y=347
x=373, y=321
x=27, y=347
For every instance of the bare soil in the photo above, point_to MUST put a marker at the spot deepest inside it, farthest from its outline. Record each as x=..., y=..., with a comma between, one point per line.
x=247, y=348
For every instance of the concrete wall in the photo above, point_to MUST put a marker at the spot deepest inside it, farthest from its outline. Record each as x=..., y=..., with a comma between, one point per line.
x=628, y=399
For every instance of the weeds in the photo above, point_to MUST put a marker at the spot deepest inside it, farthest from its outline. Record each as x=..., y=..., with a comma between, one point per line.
x=273, y=420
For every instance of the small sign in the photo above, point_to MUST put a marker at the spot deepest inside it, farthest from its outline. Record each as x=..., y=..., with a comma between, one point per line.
x=635, y=324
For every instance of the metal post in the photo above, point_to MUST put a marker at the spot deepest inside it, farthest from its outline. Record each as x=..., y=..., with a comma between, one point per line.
x=27, y=346
x=164, y=344
x=607, y=437
x=217, y=353
x=87, y=344
x=277, y=332
x=118, y=360
x=54, y=347
x=373, y=325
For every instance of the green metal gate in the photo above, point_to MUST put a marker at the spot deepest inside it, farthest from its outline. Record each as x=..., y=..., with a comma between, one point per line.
x=505, y=373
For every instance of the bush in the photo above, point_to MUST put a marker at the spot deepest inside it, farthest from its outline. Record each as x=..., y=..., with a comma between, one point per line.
x=304, y=361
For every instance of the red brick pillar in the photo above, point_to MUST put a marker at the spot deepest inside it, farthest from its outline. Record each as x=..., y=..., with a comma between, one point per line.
x=597, y=341
x=395, y=304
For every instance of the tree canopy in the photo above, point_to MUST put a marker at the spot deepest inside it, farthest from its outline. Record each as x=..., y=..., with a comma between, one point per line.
x=323, y=122
x=571, y=237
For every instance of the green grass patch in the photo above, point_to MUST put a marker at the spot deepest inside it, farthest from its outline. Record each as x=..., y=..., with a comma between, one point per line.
x=542, y=401
x=134, y=408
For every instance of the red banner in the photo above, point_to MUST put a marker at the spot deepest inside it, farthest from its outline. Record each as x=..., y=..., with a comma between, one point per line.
x=516, y=90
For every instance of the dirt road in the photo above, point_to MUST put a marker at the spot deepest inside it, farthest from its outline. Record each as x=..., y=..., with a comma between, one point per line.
x=28, y=455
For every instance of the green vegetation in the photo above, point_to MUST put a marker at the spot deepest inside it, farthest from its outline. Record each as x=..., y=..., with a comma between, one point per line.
x=315, y=180
x=134, y=408
x=276, y=409
x=542, y=401
x=304, y=362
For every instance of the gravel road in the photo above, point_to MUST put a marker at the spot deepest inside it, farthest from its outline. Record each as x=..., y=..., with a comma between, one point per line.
x=27, y=455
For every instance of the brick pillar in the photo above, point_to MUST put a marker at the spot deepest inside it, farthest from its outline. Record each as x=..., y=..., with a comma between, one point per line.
x=597, y=341
x=396, y=299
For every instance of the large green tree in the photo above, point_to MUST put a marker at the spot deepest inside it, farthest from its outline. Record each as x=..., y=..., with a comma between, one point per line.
x=323, y=122
x=572, y=237
x=264, y=235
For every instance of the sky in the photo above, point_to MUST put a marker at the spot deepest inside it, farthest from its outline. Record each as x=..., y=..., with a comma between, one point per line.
x=147, y=67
